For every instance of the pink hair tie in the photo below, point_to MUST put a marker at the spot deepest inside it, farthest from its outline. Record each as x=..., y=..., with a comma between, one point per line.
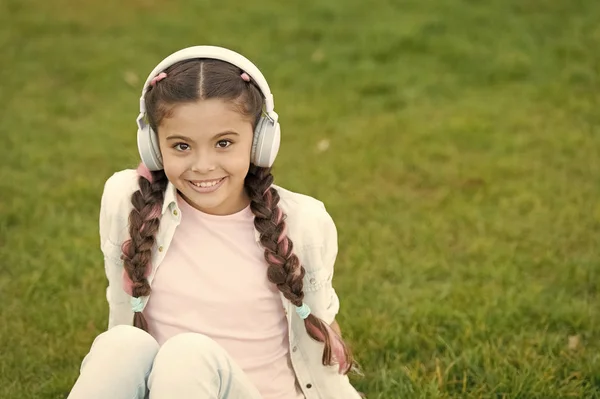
x=158, y=78
x=245, y=76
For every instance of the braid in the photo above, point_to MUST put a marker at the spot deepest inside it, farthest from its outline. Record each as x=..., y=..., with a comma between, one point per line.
x=144, y=221
x=285, y=270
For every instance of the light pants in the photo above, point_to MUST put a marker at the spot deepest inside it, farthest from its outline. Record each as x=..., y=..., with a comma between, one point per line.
x=127, y=363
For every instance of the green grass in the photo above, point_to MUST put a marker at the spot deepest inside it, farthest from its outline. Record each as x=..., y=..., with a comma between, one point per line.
x=462, y=170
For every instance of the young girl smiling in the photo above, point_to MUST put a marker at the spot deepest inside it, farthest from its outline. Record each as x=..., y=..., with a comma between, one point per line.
x=220, y=282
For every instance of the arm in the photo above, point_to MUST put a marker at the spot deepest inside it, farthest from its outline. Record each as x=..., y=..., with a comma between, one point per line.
x=329, y=256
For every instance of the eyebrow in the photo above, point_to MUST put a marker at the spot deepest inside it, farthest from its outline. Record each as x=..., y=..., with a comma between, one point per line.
x=216, y=136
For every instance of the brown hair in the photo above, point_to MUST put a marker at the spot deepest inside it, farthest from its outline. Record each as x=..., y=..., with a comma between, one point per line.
x=191, y=81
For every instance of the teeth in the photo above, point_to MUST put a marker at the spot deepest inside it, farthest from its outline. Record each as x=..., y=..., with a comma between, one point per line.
x=206, y=184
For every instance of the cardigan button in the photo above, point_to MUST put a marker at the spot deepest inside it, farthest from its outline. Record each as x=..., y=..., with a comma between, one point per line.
x=309, y=386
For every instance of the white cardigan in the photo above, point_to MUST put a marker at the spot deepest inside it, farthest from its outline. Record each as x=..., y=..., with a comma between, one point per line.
x=310, y=228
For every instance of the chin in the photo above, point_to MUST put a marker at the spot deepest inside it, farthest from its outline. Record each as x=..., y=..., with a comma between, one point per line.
x=206, y=202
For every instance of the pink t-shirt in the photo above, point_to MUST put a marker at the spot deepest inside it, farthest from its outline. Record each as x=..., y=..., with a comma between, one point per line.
x=213, y=280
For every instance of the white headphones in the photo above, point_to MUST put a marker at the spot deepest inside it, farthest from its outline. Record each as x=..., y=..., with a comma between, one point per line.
x=267, y=135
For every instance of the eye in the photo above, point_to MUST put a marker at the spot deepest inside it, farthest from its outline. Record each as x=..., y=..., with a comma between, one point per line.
x=224, y=143
x=181, y=147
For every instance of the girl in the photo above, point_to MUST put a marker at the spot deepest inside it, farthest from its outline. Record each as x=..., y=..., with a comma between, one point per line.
x=219, y=281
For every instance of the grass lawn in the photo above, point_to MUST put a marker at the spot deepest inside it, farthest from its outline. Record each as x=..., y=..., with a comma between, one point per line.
x=455, y=142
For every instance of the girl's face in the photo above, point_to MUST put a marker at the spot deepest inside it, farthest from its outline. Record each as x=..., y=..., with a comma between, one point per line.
x=205, y=148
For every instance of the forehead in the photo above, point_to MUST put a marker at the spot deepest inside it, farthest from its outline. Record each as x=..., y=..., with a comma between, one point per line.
x=205, y=118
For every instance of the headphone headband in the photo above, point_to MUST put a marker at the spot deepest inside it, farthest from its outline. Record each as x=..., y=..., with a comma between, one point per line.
x=217, y=53
x=267, y=134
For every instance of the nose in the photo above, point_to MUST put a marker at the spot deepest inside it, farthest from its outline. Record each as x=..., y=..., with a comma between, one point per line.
x=204, y=162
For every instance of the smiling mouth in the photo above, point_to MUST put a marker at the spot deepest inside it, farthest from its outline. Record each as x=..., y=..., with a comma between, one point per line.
x=206, y=183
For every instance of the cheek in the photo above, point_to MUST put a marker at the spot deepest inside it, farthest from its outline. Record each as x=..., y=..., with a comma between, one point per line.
x=238, y=162
x=173, y=166
x=239, y=166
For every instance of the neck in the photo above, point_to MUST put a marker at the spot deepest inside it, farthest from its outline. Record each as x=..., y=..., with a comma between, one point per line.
x=233, y=204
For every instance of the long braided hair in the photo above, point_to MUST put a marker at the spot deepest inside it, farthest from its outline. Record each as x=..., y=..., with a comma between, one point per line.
x=191, y=81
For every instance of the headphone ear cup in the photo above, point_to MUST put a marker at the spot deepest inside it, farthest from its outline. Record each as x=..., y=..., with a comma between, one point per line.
x=148, y=148
x=256, y=139
x=265, y=145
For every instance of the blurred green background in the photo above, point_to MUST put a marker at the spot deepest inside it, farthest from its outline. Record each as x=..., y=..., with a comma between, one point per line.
x=455, y=142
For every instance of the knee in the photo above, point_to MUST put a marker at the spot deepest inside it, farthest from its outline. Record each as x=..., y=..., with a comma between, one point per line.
x=122, y=347
x=124, y=339
x=188, y=360
x=188, y=349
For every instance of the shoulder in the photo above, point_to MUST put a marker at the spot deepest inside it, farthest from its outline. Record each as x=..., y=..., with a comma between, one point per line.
x=307, y=218
x=118, y=190
x=301, y=206
x=121, y=184
x=116, y=204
